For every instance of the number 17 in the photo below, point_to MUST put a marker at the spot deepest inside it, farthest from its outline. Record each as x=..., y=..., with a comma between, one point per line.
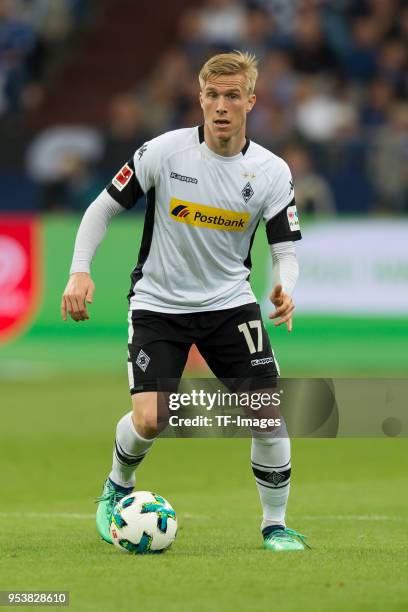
x=244, y=328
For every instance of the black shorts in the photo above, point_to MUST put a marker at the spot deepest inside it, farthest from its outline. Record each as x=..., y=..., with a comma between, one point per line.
x=233, y=342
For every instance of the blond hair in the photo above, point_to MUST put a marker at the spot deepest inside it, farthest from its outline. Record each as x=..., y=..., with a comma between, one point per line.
x=235, y=62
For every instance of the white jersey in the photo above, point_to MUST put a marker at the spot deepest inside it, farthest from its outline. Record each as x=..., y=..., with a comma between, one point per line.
x=202, y=213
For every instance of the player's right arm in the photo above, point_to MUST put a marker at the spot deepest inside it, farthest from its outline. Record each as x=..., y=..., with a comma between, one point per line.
x=80, y=287
x=132, y=181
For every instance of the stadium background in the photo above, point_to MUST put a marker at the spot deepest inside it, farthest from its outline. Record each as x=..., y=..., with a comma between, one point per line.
x=83, y=83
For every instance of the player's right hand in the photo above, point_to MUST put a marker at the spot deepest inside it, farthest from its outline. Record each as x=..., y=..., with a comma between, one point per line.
x=78, y=292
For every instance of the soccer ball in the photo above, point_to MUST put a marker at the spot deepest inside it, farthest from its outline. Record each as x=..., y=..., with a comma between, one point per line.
x=143, y=522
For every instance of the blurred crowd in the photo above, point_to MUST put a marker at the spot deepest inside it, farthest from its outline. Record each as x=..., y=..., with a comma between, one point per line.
x=331, y=95
x=32, y=35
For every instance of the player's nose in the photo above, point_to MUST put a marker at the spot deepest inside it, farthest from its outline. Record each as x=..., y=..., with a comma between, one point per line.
x=221, y=108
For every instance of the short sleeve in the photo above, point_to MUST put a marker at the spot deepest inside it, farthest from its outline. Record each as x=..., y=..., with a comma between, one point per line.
x=137, y=176
x=280, y=213
x=147, y=162
x=125, y=188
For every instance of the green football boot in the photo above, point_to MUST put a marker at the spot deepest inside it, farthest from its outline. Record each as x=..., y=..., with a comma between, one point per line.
x=111, y=494
x=278, y=538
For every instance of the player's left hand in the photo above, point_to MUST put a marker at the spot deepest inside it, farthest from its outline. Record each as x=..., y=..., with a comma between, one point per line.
x=284, y=307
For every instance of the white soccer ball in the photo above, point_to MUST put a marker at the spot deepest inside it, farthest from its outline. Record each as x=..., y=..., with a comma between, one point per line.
x=143, y=522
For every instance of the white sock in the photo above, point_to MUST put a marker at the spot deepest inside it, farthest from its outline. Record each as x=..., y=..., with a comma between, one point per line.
x=270, y=458
x=129, y=450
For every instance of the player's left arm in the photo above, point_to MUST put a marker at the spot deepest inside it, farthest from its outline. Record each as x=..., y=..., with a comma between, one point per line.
x=282, y=230
x=285, y=271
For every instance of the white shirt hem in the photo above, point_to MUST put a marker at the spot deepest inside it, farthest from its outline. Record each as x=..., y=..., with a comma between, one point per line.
x=136, y=304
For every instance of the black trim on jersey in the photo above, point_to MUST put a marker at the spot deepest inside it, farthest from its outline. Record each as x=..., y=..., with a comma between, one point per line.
x=129, y=195
x=246, y=146
x=278, y=230
x=146, y=243
x=201, y=139
x=248, y=261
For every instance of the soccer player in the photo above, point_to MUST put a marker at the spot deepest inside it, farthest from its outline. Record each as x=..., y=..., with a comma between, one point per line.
x=207, y=188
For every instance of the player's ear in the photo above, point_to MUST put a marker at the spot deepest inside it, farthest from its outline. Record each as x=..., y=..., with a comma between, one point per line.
x=251, y=102
x=201, y=99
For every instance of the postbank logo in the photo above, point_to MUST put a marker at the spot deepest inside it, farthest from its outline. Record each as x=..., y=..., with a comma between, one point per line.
x=210, y=217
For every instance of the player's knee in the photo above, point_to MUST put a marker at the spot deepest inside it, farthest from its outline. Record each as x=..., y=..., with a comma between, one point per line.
x=145, y=423
x=146, y=417
x=147, y=430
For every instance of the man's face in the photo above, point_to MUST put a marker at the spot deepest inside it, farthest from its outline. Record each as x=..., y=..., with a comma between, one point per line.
x=225, y=103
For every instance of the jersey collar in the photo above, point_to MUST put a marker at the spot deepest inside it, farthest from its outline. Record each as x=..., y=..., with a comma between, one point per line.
x=201, y=140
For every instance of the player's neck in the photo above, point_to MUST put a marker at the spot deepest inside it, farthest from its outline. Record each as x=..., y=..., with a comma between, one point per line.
x=225, y=147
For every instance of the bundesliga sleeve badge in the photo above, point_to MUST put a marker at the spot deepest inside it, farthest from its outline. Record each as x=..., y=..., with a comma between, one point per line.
x=293, y=218
x=123, y=177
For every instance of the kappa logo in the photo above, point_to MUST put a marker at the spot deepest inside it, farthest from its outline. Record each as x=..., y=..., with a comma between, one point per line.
x=142, y=150
x=293, y=218
x=210, y=217
x=263, y=361
x=247, y=192
x=142, y=360
x=184, y=179
x=123, y=177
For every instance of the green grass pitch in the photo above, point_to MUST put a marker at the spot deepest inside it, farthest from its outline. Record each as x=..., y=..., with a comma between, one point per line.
x=348, y=496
